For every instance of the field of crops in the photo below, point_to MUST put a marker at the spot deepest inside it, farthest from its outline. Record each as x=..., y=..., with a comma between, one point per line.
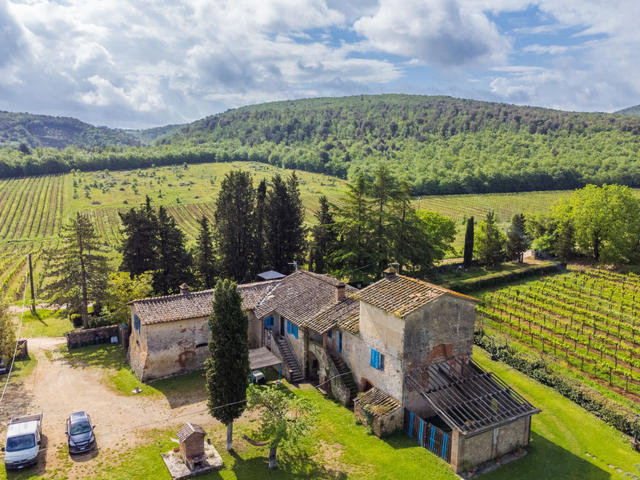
x=589, y=319
x=33, y=210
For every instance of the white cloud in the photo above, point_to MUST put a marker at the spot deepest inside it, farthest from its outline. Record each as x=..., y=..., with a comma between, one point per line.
x=440, y=32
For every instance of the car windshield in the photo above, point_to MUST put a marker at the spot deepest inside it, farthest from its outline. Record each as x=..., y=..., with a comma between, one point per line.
x=22, y=442
x=80, y=428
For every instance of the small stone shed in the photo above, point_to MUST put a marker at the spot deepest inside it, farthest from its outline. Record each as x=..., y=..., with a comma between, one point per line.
x=191, y=439
x=382, y=412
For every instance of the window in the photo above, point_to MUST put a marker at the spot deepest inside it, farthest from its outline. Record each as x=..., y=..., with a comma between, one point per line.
x=377, y=359
x=329, y=333
x=269, y=322
x=292, y=329
x=136, y=322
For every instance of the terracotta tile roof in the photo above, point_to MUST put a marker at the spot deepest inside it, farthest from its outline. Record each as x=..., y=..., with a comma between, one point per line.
x=377, y=402
x=402, y=295
x=189, y=429
x=345, y=314
x=300, y=296
x=172, y=308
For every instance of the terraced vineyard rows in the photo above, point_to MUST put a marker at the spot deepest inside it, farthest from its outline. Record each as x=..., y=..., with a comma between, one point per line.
x=590, y=319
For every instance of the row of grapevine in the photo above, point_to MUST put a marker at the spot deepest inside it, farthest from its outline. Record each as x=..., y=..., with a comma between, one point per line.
x=590, y=319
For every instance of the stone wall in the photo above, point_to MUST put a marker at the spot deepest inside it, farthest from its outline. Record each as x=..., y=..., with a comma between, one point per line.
x=489, y=445
x=441, y=330
x=381, y=426
x=92, y=336
x=328, y=370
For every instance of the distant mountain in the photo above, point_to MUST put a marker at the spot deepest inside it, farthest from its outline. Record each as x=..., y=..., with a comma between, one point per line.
x=441, y=145
x=59, y=132
x=635, y=110
x=149, y=135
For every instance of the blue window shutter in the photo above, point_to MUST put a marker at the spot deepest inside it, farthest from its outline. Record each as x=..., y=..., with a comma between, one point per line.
x=339, y=341
x=295, y=331
x=372, y=362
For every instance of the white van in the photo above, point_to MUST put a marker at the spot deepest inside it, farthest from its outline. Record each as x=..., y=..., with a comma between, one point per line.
x=24, y=438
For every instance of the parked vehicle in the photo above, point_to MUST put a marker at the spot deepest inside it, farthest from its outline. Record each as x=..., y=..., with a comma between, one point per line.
x=24, y=438
x=80, y=434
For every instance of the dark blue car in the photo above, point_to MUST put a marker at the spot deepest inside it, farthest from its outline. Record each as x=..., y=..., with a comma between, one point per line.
x=80, y=433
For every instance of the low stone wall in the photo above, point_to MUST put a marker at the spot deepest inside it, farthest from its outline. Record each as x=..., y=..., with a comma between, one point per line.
x=93, y=336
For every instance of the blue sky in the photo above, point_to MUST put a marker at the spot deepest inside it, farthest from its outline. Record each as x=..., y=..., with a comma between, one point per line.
x=140, y=64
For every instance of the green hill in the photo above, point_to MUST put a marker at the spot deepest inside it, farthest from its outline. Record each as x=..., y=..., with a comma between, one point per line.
x=635, y=110
x=149, y=135
x=58, y=132
x=442, y=145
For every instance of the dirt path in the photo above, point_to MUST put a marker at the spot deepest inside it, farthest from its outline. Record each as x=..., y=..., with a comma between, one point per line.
x=56, y=388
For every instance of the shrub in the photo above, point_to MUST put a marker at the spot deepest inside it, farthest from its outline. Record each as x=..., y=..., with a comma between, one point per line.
x=500, y=278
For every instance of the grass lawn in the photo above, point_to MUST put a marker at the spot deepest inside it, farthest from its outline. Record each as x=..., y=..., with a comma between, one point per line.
x=21, y=370
x=46, y=323
x=562, y=436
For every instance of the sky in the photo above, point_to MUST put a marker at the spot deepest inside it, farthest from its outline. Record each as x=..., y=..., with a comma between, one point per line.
x=148, y=63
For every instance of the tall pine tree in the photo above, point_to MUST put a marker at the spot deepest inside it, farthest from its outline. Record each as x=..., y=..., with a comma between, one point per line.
x=517, y=240
x=173, y=262
x=285, y=234
x=140, y=239
x=204, y=256
x=227, y=368
x=323, y=238
x=234, y=231
x=490, y=241
x=79, y=268
x=384, y=191
x=260, y=213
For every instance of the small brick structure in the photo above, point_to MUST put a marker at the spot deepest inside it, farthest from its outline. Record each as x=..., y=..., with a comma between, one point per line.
x=380, y=411
x=93, y=336
x=191, y=439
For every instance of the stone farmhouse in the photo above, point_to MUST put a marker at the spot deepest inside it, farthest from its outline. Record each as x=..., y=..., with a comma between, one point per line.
x=400, y=351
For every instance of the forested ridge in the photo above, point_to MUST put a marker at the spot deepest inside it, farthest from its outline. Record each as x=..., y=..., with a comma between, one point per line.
x=635, y=110
x=48, y=131
x=440, y=144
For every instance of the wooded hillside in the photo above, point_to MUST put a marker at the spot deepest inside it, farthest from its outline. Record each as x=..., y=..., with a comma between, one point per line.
x=442, y=145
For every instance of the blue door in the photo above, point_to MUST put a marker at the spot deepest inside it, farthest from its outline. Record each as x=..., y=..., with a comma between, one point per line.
x=339, y=341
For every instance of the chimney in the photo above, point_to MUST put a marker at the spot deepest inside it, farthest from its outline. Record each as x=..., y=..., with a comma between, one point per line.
x=184, y=289
x=340, y=292
x=390, y=273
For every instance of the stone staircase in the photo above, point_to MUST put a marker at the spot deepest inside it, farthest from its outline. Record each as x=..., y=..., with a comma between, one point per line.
x=291, y=362
x=345, y=372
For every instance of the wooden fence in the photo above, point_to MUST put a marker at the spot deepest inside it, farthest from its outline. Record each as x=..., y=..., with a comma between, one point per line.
x=429, y=436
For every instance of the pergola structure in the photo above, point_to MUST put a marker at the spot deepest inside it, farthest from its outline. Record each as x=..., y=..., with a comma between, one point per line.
x=262, y=358
x=468, y=398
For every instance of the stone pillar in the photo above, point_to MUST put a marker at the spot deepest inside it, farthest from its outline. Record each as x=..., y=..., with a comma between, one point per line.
x=324, y=341
x=457, y=451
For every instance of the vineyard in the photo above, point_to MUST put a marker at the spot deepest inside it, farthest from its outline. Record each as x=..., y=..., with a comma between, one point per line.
x=589, y=319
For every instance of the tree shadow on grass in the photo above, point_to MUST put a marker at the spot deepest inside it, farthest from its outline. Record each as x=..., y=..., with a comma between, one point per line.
x=102, y=356
x=296, y=465
x=545, y=459
x=183, y=389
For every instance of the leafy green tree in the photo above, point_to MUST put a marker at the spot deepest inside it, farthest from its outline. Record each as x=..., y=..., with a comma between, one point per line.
x=323, y=238
x=78, y=268
x=121, y=289
x=468, y=243
x=173, y=263
x=234, y=230
x=227, y=368
x=285, y=233
x=284, y=418
x=139, y=239
x=490, y=241
x=7, y=334
x=205, y=262
x=517, y=239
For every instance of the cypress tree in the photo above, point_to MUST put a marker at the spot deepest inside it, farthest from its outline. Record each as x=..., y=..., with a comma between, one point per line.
x=234, y=231
x=384, y=191
x=139, y=239
x=468, y=243
x=227, y=368
x=204, y=258
x=173, y=264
